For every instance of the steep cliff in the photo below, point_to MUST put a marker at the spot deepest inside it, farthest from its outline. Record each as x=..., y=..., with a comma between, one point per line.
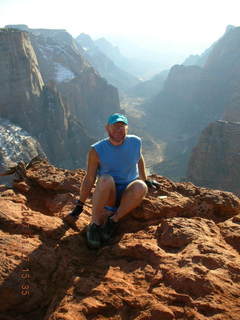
x=20, y=79
x=26, y=101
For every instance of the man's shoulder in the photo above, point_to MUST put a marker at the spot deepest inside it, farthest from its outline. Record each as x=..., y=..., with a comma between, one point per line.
x=99, y=142
x=133, y=137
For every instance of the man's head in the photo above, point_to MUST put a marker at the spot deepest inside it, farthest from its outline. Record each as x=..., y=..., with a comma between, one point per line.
x=117, y=127
x=117, y=117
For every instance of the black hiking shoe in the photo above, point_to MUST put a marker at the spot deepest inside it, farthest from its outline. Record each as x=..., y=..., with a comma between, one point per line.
x=109, y=229
x=94, y=236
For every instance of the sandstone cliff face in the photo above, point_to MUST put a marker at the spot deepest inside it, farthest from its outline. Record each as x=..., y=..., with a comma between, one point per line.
x=175, y=257
x=215, y=160
x=21, y=81
x=26, y=101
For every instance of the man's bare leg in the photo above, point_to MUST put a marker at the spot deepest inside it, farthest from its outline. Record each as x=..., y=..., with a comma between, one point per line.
x=104, y=194
x=131, y=198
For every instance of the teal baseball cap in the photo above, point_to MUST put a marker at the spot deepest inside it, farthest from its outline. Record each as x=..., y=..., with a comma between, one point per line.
x=117, y=117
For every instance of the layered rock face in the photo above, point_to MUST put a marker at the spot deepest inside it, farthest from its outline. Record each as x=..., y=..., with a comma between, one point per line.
x=193, y=97
x=174, y=257
x=215, y=160
x=26, y=101
x=21, y=81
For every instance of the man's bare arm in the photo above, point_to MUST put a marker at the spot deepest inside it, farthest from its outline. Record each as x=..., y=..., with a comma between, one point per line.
x=90, y=177
x=142, y=169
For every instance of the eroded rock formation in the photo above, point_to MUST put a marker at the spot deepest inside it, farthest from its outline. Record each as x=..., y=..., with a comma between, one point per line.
x=175, y=257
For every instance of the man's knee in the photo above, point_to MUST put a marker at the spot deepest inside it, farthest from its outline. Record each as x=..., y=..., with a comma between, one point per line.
x=106, y=181
x=139, y=188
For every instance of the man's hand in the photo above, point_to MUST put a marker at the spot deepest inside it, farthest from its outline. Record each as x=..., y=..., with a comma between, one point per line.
x=77, y=210
x=152, y=184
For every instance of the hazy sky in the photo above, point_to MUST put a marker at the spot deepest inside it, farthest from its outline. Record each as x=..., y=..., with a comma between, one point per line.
x=174, y=24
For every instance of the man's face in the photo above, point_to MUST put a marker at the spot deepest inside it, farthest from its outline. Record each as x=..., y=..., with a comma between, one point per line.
x=117, y=131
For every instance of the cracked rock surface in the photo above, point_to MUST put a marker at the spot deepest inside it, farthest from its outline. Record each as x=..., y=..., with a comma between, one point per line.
x=174, y=257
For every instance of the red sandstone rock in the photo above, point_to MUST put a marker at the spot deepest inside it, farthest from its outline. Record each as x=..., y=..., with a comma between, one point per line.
x=175, y=257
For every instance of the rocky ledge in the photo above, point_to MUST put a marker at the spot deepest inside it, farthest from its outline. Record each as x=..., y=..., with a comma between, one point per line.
x=174, y=257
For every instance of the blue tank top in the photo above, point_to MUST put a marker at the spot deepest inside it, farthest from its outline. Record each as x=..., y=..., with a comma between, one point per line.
x=121, y=162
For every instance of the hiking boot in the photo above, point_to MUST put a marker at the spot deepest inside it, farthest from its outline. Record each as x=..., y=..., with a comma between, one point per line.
x=94, y=236
x=109, y=229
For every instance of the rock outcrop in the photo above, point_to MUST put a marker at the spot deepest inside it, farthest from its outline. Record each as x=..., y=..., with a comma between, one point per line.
x=215, y=160
x=174, y=257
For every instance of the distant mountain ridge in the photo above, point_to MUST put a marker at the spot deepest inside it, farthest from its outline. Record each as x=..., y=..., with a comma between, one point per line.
x=193, y=97
x=142, y=68
x=104, y=65
x=110, y=50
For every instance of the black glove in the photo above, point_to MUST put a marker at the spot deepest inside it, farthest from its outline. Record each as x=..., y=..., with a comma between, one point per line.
x=78, y=209
x=152, y=184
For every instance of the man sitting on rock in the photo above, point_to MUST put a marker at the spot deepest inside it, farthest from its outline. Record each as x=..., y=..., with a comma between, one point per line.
x=119, y=164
